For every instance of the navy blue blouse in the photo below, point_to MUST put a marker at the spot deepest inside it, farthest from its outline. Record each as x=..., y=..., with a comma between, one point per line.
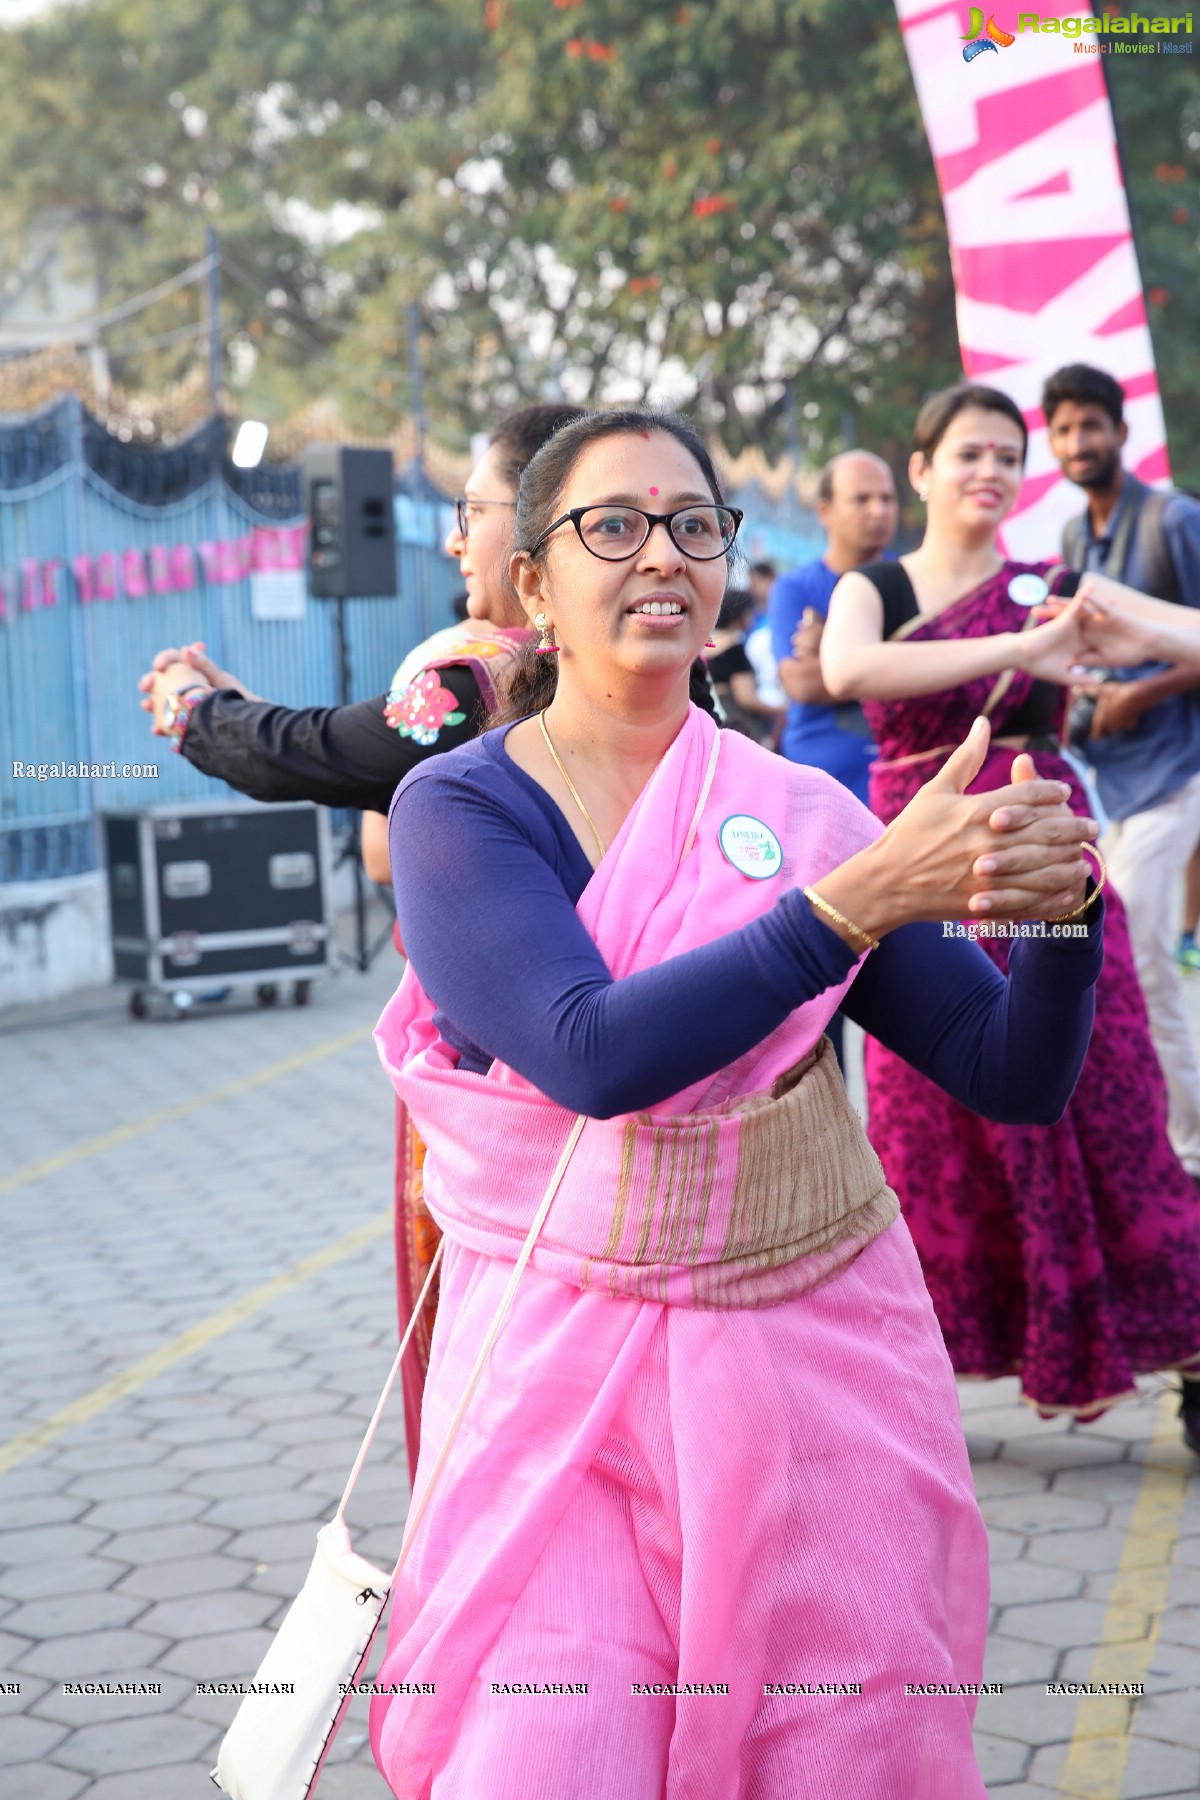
x=488, y=872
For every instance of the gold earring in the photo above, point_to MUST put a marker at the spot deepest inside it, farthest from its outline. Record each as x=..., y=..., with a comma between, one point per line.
x=545, y=648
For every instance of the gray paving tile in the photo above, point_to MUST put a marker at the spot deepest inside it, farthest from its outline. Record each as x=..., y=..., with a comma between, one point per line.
x=68, y=1614
x=120, y=1484
x=1175, y=1718
x=44, y=1781
x=26, y=1739
x=186, y=1575
x=1003, y=1546
x=993, y=1480
x=1086, y=1550
x=165, y=1543
x=93, y=1653
x=1181, y=1625
x=47, y=1543
x=1017, y=1661
x=1016, y=1582
x=127, y=1744
x=277, y=1543
x=73, y=1575
x=238, y=1453
x=1027, y=1714
x=223, y=1656
x=1041, y=1513
x=226, y=1484
x=138, y=1511
x=177, y=1780
x=245, y=1511
x=199, y=1615
x=1000, y=1759
x=23, y=1510
x=1070, y=1622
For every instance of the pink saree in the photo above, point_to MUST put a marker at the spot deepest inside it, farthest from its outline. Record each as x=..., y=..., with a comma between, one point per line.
x=1068, y=1254
x=709, y=1513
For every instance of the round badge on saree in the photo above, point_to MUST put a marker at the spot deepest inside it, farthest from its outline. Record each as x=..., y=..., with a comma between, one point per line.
x=1028, y=590
x=751, y=847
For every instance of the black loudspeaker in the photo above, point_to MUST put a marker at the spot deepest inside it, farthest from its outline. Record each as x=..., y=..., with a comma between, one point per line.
x=352, y=523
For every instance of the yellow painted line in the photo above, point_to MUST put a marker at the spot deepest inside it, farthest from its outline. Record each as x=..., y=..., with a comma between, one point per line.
x=197, y=1337
x=121, y=1134
x=1095, y=1764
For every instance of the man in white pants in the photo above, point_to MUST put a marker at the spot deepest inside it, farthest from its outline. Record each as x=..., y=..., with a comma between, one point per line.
x=1144, y=738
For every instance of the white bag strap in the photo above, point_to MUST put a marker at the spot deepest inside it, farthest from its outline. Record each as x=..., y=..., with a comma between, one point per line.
x=485, y=1351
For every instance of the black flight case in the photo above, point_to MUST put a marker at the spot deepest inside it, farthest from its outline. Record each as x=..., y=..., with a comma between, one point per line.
x=208, y=898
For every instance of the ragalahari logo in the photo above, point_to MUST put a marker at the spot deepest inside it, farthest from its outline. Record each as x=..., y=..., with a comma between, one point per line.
x=983, y=38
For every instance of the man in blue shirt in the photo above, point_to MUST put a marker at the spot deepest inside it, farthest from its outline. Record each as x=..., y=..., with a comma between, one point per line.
x=1144, y=738
x=856, y=504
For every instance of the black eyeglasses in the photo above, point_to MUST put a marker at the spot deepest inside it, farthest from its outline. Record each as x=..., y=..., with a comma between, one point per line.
x=616, y=533
x=462, y=513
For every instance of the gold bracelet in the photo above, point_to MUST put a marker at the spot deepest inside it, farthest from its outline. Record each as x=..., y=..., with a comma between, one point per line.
x=1062, y=918
x=814, y=899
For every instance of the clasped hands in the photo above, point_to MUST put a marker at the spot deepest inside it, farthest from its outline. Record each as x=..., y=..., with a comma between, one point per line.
x=175, y=669
x=1013, y=853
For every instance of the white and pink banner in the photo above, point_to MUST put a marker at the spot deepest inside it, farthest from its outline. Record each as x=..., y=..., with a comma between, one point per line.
x=1044, y=264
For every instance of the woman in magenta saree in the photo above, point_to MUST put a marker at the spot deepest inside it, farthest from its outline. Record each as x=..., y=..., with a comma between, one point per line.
x=1068, y=1253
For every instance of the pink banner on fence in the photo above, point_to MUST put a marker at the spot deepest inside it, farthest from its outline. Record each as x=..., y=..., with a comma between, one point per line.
x=293, y=545
x=1044, y=264
x=265, y=555
x=31, y=585
x=227, y=560
x=50, y=581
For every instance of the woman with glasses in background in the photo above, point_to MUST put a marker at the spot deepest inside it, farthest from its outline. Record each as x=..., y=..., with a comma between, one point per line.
x=355, y=756
x=695, y=1516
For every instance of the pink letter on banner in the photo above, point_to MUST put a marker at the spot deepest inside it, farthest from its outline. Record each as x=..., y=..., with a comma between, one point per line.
x=106, y=575
x=81, y=568
x=160, y=569
x=183, y=568
x=1040, y=240
x=133, y=575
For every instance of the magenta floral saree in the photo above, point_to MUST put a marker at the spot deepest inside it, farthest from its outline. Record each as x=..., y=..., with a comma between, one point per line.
x=1068, y=1254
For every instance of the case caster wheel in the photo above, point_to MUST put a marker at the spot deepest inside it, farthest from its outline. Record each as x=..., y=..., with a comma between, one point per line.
x=302, y=993
x=137, y=1004
x=266, y=993
x=181, y=1004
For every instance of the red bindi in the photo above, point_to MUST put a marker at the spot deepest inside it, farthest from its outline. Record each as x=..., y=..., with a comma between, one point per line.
x=653, y=490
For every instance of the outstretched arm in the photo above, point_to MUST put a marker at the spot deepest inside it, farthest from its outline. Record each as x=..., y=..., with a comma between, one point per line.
x=857, y=664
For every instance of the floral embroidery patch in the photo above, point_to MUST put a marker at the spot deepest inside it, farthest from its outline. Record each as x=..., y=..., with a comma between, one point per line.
x=420, y=710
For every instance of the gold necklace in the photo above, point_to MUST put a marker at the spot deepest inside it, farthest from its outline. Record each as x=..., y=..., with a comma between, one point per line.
x=558, y=763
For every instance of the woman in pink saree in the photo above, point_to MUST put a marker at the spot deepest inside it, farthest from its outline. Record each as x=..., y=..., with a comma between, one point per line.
x=1066, y=1253
x=707, y=1526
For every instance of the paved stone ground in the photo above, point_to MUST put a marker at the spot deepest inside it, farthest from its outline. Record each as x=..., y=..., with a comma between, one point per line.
x=161, y=1539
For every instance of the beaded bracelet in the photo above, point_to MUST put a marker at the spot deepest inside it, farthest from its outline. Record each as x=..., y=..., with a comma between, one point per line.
x=868, y=942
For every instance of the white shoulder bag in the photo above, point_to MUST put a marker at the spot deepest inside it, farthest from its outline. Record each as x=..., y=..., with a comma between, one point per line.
x=282, y=1732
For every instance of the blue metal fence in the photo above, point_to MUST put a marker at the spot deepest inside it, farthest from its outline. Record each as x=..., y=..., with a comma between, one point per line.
x=68, y=673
